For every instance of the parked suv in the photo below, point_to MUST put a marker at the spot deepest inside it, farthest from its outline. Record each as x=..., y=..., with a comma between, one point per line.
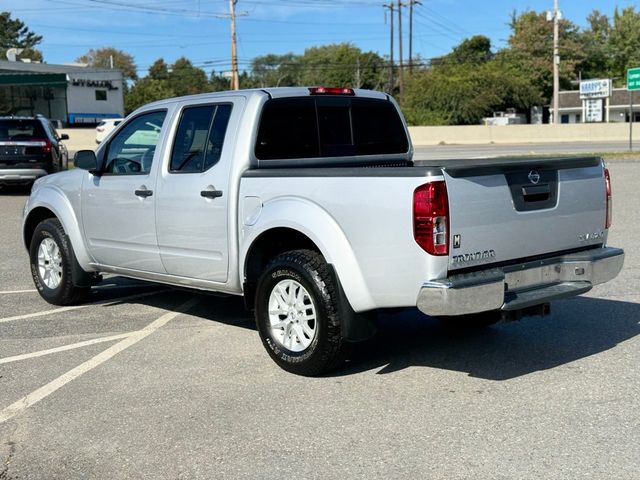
x=30, y=147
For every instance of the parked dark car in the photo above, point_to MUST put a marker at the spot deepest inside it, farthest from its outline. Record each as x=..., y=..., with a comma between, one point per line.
x=30, y=147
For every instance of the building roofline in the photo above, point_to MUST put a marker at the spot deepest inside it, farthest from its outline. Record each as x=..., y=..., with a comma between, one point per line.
x=32, y=67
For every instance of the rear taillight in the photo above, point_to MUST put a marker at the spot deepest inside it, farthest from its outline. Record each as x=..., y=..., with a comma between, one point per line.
x=607, y=182
x=431, y=218
x=45, y=143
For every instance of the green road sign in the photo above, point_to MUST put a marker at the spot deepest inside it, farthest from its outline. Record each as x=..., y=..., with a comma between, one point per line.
x=633, y=79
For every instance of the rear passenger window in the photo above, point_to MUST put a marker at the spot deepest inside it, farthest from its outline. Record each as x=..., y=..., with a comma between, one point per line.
x=331, y=126
x=288, y=129
x=199, y=139
x=377, y=128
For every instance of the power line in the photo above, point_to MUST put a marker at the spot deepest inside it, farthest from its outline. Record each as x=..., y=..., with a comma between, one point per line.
x=156, y=9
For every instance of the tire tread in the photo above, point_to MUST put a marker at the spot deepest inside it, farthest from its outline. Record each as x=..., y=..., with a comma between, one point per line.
x=333, y=347
x=67, y=293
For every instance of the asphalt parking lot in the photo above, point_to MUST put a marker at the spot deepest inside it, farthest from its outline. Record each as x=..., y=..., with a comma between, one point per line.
x=148, y=382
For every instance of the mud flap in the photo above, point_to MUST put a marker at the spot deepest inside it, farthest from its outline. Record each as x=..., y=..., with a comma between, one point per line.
x=356, y=327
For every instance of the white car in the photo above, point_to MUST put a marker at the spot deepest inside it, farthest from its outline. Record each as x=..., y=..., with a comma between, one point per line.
x=105, y=127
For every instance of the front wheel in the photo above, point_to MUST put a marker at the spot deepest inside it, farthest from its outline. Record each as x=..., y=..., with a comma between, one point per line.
x=297, y=305
x=52, y=258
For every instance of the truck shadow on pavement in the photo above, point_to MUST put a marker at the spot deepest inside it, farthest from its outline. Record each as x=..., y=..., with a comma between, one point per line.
x=576, y=329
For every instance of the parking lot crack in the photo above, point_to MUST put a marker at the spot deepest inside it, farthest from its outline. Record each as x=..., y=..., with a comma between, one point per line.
x=6, y=462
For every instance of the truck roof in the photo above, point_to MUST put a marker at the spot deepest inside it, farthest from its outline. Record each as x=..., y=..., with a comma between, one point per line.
x=275, y=92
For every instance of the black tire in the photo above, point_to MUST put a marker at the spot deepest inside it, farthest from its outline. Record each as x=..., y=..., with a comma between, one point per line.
x=474, y=321
x=327, y=347
x=65, y=292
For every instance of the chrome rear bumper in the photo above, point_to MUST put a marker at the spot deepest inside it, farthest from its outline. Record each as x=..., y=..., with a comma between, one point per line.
x=516, y=287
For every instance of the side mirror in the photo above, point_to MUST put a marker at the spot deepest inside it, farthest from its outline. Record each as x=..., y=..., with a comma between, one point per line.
x=86, y=160
x=64, y=136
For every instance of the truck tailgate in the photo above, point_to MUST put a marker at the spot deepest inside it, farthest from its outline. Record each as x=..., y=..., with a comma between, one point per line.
x=505, y=210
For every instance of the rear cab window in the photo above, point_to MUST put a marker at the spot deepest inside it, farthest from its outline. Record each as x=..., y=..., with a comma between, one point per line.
x=329, y=127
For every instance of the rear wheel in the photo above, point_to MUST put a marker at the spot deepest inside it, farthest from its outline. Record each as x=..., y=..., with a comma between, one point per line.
x=297, y=305
x=52, y=259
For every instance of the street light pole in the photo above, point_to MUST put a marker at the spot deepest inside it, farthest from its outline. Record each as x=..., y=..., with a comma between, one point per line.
x=235, y=82
x=400, y=66
x=556, y=62
x=391, y=7
x=411, y=4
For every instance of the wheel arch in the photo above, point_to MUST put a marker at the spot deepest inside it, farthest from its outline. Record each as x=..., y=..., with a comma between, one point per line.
x=292, y=224
x=50, y=202
x=271, y=243
x=35, y=216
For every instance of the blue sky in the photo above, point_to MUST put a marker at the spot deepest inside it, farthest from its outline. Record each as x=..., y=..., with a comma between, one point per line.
x=149, y=29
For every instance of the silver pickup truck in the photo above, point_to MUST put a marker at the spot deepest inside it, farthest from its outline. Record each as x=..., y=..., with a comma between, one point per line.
x=307, y=202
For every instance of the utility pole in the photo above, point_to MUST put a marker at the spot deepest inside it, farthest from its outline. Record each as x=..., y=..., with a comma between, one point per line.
x=556, y=63
x=391, y=8
x=411, y=4
x=235, y=82
x=400, y=65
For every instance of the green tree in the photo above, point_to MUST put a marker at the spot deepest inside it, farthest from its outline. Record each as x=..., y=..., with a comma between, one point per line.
x=144, y=91
x=185, y=79
x=624, y=42
x=473, y=51
x=342, y=65
x=465, y=86
x=218, y=82
x=530, y=50
x=159, y=70
x=597, y=48
x=15, y=34
x=451, y=96
x=102, y=58
x=276, y=70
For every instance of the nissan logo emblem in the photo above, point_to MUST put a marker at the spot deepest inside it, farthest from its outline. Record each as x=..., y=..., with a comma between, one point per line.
x=534, y=177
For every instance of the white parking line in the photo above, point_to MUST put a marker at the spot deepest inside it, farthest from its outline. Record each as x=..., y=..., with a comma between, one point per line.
x=43, y=392
x=8, y=292
x=44, y=312
x=63, y=348
x=111, y=301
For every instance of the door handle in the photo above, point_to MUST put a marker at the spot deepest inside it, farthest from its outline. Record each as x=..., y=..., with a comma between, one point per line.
x=143, y=192
x=211, y=193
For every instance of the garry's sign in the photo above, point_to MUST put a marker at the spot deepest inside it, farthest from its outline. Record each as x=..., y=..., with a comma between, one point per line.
x=595, y=88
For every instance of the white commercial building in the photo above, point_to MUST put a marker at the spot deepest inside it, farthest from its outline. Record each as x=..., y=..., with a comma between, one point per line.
x=598, y=102
x=71, y=94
